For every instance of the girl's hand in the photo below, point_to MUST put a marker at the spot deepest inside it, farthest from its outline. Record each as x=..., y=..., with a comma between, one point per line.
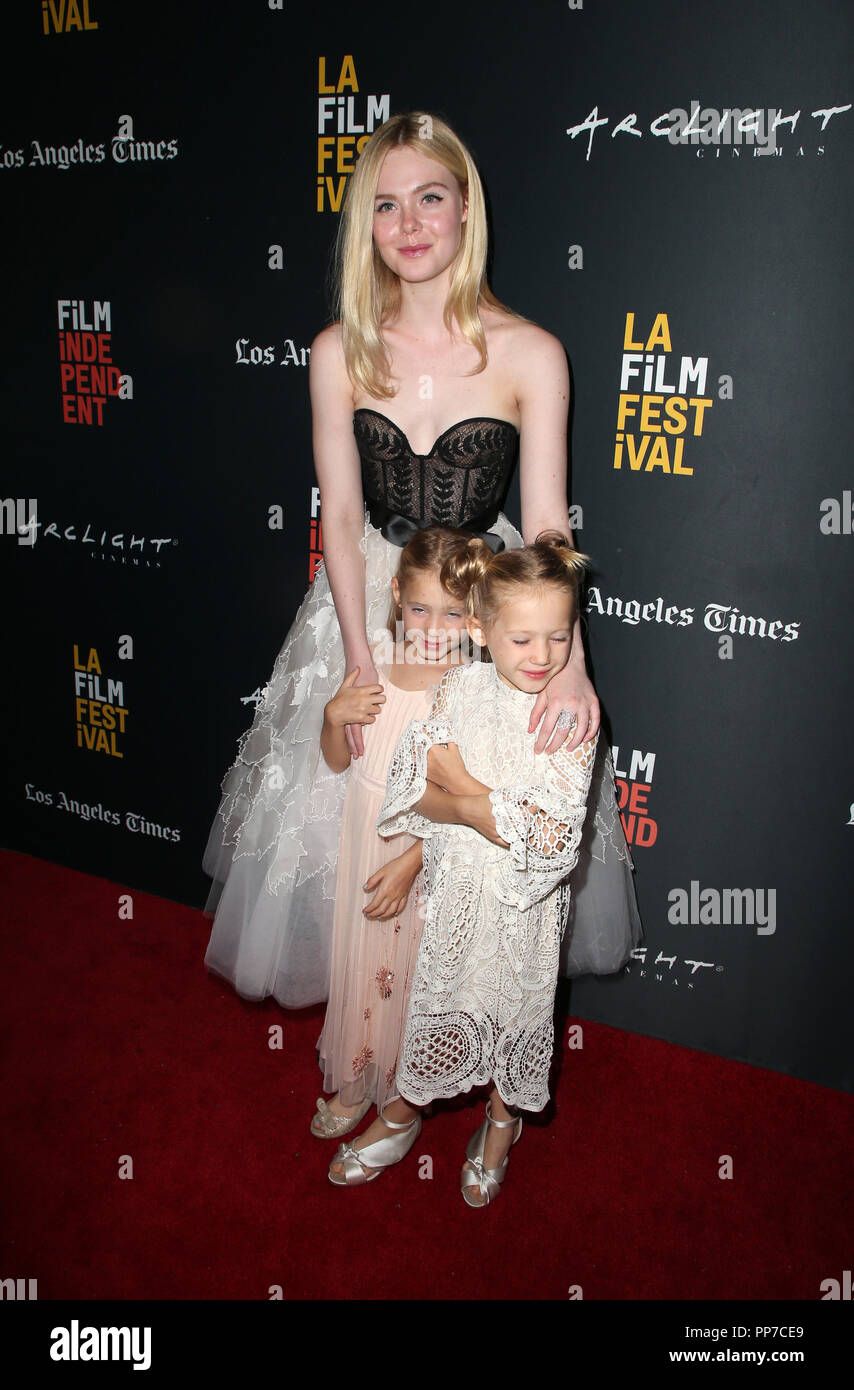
x=392, y=885
x=367, y=673
x=446, y=768
x=476, y=811
x=569, y=689
x=354, y=705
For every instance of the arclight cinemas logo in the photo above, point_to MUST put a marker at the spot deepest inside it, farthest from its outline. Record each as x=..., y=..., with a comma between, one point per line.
x=750, y=126
x=76, y=1343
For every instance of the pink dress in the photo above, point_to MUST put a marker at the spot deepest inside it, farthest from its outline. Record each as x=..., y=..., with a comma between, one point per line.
x=372, y=962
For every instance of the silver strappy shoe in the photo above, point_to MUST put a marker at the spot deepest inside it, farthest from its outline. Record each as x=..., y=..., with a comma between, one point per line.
x=379, y=1155
x=487, y=1180
x=327, y=1125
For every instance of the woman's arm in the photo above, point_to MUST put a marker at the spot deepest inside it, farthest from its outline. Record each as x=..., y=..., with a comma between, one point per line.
x=443, y=808
x=542, y=392
x=446, y=768
x=542, y=823
x=407, y=779
x=336, y=461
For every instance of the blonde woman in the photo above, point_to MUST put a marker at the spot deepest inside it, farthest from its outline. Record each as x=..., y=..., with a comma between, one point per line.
x=424, y=391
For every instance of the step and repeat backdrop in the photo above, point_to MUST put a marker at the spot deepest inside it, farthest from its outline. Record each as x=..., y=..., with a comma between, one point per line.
x=670, y=195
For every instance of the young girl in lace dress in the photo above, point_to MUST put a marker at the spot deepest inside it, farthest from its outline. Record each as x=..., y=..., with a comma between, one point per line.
x=500, y=825
x=376, y=923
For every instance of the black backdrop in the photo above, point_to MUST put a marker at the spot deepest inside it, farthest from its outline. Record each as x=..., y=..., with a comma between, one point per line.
x=159, y=168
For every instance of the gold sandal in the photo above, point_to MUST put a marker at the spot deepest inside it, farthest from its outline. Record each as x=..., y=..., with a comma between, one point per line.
x=325, y=1124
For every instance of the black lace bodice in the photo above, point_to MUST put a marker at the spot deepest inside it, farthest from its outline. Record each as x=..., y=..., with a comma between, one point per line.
x=463, y=477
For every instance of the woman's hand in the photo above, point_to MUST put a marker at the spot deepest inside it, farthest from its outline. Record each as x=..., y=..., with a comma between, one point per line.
x=476, y=812
x=446, y=768
x=569, y=690
x=366, y=675
x=392, y=885
x=354, y=705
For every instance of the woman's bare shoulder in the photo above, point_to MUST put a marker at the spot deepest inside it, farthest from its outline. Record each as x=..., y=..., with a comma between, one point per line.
x=515, y=336
x=329, y=342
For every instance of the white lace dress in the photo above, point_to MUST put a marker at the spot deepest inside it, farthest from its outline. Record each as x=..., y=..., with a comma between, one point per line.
x=482, y=996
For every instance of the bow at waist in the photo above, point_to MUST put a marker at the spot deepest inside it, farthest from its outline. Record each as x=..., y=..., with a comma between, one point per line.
x=399, y=529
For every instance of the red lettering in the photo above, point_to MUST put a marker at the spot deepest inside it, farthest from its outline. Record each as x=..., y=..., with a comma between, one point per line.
x=66, y=374
x=647, y=832
x=85, y=347
x=68, y=416
x=637, y=801
x=640, y=830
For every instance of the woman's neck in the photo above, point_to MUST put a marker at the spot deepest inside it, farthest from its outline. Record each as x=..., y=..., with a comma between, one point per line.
x=421, y=312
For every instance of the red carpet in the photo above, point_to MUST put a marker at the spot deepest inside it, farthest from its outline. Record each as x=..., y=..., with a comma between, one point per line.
x=117, y=1042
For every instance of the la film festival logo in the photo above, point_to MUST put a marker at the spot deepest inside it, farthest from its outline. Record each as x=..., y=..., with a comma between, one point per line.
x=345, y=120
x=654, y=414
x=100, y=711
x=87, y=373
x=708, y=130
x=65, y=16
x=126, y=149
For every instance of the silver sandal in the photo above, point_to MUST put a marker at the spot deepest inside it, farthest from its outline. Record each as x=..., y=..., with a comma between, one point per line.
x=487, y=1180
x=379, y=1155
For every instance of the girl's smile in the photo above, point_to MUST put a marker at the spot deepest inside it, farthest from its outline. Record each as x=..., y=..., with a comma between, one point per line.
x=530, y=637
x=433, y=620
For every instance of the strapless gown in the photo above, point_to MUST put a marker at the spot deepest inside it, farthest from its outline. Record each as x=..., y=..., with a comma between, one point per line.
x=273, y=847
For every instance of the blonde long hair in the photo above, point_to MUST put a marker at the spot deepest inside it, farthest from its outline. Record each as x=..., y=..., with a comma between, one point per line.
x=367, y=292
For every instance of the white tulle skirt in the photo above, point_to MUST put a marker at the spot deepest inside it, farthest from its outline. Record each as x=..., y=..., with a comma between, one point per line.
x=272, y=851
